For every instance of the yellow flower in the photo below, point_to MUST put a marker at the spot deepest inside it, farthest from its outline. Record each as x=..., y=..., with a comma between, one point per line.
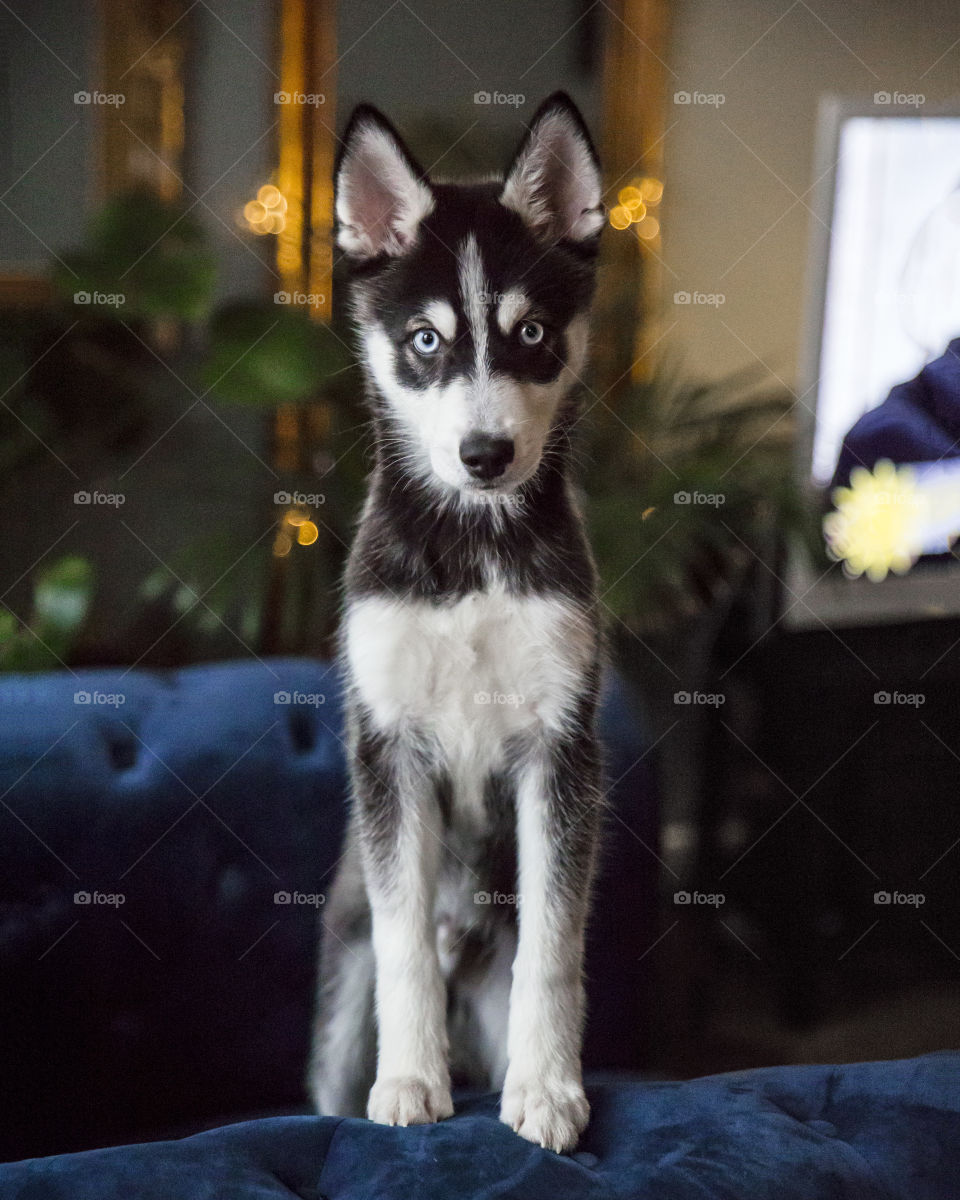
x=876, y=527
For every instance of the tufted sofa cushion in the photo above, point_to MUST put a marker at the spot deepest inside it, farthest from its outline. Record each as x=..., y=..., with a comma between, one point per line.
x=185, y=807
x=872, y=1131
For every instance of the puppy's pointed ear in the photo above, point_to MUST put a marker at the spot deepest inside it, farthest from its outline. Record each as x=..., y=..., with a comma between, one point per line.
x=554, y=179
x=382, y=193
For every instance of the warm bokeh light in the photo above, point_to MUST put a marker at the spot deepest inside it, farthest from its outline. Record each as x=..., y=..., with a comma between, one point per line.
x=296, y=528
x=266, y=214
x=270, y=197
x=307, y=533
x=630, y=197
x=634, y=200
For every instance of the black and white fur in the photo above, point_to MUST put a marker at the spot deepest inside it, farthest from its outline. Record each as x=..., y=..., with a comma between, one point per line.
x=470, y=642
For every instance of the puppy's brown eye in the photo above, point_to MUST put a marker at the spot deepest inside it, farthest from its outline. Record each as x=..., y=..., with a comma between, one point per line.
x=531, y=333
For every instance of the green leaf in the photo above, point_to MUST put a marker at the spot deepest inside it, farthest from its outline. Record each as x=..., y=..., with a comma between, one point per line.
x=149, y=255
x=62, y=596
x=263, y=355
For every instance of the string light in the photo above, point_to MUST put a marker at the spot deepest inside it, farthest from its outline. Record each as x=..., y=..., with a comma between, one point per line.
x=633, y=203
x=268, y=213
x=307, y=534
x=295, y=528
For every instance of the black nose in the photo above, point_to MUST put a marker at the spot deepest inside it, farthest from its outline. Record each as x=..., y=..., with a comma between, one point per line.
x=484, y=456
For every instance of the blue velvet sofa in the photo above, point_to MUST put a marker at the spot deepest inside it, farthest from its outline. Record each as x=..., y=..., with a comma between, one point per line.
x=166, y=839
x=872, y=1131
x=184, y=807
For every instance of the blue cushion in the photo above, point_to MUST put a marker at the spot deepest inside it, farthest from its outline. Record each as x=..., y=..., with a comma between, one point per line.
x=197, y=799
x=871, y=1130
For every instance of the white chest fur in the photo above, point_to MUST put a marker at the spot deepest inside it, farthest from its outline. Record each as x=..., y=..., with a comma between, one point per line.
x=469, y=673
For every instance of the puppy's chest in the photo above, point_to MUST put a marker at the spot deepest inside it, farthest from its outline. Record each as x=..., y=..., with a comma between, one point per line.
x=482, y=667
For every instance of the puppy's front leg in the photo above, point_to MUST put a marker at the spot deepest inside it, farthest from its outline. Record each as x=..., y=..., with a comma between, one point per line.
x=398, y=819
x=558, y=805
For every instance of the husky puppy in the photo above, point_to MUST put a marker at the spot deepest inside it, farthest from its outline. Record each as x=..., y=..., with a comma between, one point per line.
x=454, y=934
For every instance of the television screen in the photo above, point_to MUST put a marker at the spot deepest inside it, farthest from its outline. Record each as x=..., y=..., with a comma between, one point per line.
x=881, y=455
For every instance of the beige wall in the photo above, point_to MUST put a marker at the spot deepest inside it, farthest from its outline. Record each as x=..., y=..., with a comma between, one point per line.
x=735, y=221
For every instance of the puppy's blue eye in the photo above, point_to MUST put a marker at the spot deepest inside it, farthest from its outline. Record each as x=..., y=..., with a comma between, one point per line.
x=426, y=342
x=531, y=333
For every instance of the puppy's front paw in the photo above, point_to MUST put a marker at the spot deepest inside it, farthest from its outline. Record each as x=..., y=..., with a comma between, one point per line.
x=407, y=1100
x=553, y=1114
